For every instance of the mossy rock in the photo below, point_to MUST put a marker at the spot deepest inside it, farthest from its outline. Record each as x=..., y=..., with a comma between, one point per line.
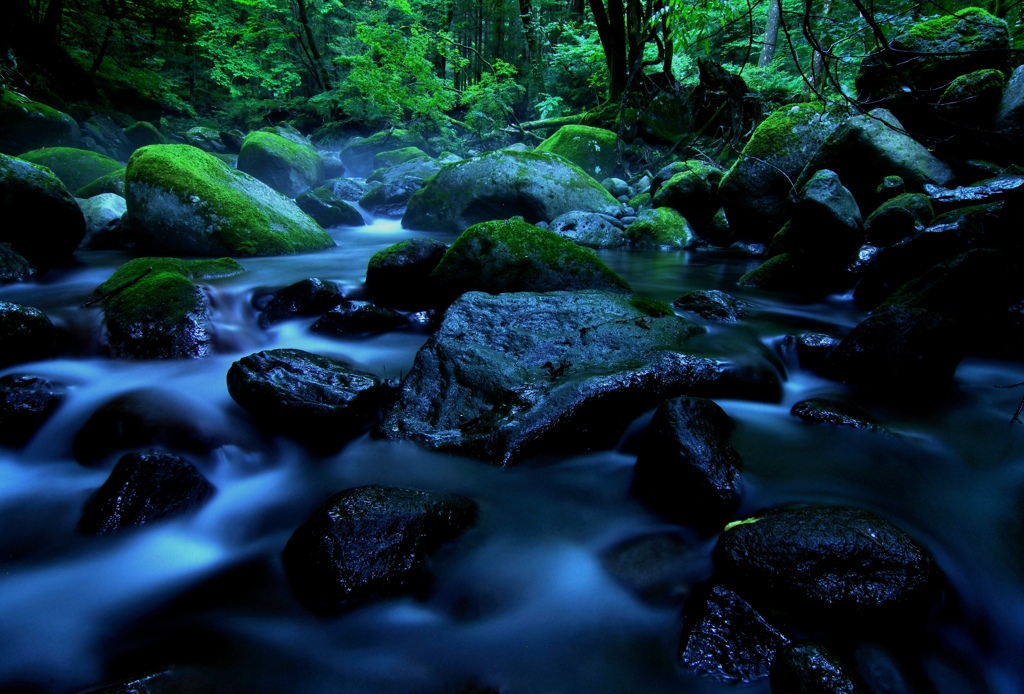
x=513, y=256
x=183, y=201
x=153, y=309
x=43, y=221
x=973, y=98
x=591, y=149
x=536, y=186
x=328, y=209
x=142, y=133
x=358, y=155
x=693, y=192
x=26, y=125
x=113, y=182
x=398, y=156
x=798, y=273
x=662, y=227
x=74, y=167
x=898, y=218
x=287, y=166
x=206, y=139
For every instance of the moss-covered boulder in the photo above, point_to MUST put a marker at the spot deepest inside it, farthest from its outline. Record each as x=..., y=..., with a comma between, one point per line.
x=328, y=209
x=287, y=166
x=973, y=99
x=756, y=190
x=397, y=276
x=205, y=138
x=26, y=334
x=74, y=167
x=358, y=155
x=142, y=133
x=513, y=256
x=113, y=182
x=662, y=227
x=693, y=192
x=799, y=273
x=503, y=184
x=26, y=125
x=591, y=149
x=186, y=202
x=42, y=221
x=154, y=310
x=898, y=218
x=394, y=157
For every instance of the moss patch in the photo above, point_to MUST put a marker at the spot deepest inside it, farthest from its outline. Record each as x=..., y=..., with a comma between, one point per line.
x=658, y=228
x=74, y=167
x=113, y=182
x=651, y=307
x=591, y=149
x=395, y=157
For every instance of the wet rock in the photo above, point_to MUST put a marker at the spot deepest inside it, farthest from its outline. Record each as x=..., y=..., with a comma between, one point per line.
x=898, y=218
x=590, y=229
x=206, y=139
x=328, y=209
x=369, y=543
x=514, y=375
x=829, y=565
x=800, y=273
x=693, y=192
x=26, y=334
x=346, y=188
x=57, y=226
x=827, y=411
x=812, y=350
x=617, y=187
x=504, y=184
x=103, y=215
x=111, y=183
x=390, y=199
x=13, y=266
x=663, y=227
x=1009, y=119
x=827, y=220
x=397, y=276
x=26, y=402
x=104, y=134
x=912, y=352
x=728, y=640
x=809, y=668
x=74, y=167
x=359, y=319
x=308, y=297
x=287, y=165
x=27, y=125
x=712, y=304
x=658, y=568
x=141, y=489
x=592, y=149
x=686, y=470
x=972, y=99
x=318, y=400
x=980, y=193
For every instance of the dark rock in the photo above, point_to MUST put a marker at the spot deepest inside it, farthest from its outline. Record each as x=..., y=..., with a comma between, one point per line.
x=142, y=133
x=43, y=221
x=390, y=199
x=111, y=183
x=827, y=411
x=912, y=352
x=328, y=209
x=141, y=489
x=13, y=266
x=26, y=125
x=800, y=273
x=315, y=399
x=590, y=229
x=972, y=99
x=692, y=192
x=727, y=640
x=397, y=276
x=26, y=334
x=686, y=470
x=889, y=188
x=359, y=319
x=809, y=668
x=1009, y=119
x=514, y=375
x=233, y=141
x=308, y=297
x=206, y=139
x=829, y=565
x=658, y=568
x=346, y=188
x=103, y=135
x=712, y=304
x=26, y=402
x=882, y=672
x=812, y=350
x=75, y=168
x=369, y=543
x=898, y=218
x=827, y=220
x=990, y=190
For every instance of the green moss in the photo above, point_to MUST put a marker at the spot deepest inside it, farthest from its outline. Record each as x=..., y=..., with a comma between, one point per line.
x=949, y=27
x=651, y=307
x=395, y=157
x=74, y=167
x=981, y=86
x=113, y=182
x=640, y=201
x=660, y=227
x=592, y=149
x=381, y=257
x=781, y=131
x=261, y=147
x=191, y=269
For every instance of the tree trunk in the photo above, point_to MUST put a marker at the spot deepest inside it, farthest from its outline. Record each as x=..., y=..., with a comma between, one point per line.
x=98, y=60
x=771, y=33
x=323, y=77
x=611, y=29
x=818, y=66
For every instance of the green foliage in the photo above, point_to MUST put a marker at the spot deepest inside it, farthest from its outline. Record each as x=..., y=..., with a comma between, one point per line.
x=576, y=68
x=489, y=101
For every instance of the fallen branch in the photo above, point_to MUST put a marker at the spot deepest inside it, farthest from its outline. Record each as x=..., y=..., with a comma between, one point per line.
x=1020, y=406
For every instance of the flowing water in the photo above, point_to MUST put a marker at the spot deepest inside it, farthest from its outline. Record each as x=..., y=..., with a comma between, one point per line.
x=522, y=602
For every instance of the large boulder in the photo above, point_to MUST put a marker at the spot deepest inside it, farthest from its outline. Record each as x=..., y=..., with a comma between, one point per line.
x=328, y=209
x=143, y=133
x=103, y=215
x=514, y=375
x=27, y=124
x=74, y=167
x=185, y=202
x=13, y=266
x=43, y=221
x=661, y=227
x=26, y=334
x=392, y=187
x=369, y=543
x=154, y=310
x=692, y=190
x=398, y=275
x=501, y=185
x=358, y=155
x=287, y=166
x=591, y=149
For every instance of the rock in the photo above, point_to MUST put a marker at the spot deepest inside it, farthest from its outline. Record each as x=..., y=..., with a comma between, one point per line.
x=812, y=350
x=390, y=199
x=514, y=375
x=369, y=543
x=591, y=149
x=328, y=209
x=182, y=201
x=102, y=134
x=141, y=489
x=346, y=188
x=827, y=221
x=111, y=183
x=617, y=188
x=756, y=190
x=712, y=304
x=359, y=319
x=13, y=266
x=992, y=190
x=397, y=276
x=283, y=164
x=912, y=352
x=809, y=668
x=829, y=565
x=692, y=191
x=26, y=402
x=662, y=227
x=103, y=215
x=1009, y=119
x=658, y=568
x=206, y=139
x=890, y=187
x=503, y=184
x=161, y=313
x=590, y=229
x=26, y=125
x=799, y=273
x=308, y=297
x=30, y=192
x=973, y=99
x=358, y=155
x=898, y=218
x=828, y=411
x=686, y=470
x=513, y=256
x=233, y=140
x=394, y=157
x=74, y=167
x=26, y=334
x=317, y=400
x=882, y=671
x=143, y=419
x=727, y=640
x=142, y=133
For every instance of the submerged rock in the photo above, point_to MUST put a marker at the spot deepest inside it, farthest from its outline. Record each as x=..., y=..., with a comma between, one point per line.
x=518, y=374
x=827, y=411
x=308, y=297
x=26, y=402
x=658, y=568
x=359, y=319
x=712, y=304
x=369, y=543
x=141, y=489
